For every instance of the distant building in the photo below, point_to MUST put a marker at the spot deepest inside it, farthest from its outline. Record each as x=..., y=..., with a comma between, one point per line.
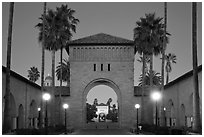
x=48, y=81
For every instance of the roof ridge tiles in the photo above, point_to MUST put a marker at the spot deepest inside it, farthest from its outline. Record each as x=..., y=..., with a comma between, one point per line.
x=101, y=39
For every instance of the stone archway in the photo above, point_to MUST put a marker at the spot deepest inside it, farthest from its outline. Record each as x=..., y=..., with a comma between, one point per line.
x=182, y=115
x=12, y=111
x=96, y=82
x=20, y=120
x=33, y=114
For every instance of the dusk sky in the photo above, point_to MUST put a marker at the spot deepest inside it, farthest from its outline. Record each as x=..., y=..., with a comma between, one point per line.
x=117, y=19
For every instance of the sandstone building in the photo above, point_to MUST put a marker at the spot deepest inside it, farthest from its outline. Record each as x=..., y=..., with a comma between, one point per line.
x=99, y=59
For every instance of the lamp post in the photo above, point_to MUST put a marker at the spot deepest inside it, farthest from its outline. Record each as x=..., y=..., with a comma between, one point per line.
x=165, y=116
x=65, y=106
x=46, y=97
x=137, y=106
x=156, y=96
x=39, y=109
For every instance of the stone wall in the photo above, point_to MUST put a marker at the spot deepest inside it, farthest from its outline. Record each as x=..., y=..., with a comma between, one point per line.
x=178, y=99
x=23, y=93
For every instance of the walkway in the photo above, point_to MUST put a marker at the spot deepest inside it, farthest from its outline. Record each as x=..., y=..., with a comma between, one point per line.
x=102, y=132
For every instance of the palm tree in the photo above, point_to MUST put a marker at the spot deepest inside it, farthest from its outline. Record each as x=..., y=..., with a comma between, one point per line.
x=196, y=101
x=170, y=58
x=59, y=26
x=41, y=39
x=162, y=68
x=52, y=24
x=156, y=79
x=68, y=23
x=33, y=74
x=65, y=68
x=7, y=117
x=148, y=39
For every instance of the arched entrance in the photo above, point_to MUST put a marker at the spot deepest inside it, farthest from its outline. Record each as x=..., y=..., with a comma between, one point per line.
x=12, y=111
x=20, y=121
x=182, y=115
x=33, y=114
x=115, y=88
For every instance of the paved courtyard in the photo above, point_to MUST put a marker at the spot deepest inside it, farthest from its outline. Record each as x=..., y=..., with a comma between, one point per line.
x=101, y=132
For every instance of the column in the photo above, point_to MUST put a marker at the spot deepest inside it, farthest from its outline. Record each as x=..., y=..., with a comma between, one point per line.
x=14, y=123
x=35, y=123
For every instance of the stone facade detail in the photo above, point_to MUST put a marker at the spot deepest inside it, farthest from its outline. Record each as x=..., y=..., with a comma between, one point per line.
x=101, y=53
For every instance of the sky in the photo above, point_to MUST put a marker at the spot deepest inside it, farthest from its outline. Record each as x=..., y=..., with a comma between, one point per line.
x=117, y=19
x=95, y=92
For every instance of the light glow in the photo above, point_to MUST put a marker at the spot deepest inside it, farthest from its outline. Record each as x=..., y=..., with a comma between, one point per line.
x=46, y=96
x=164, y=109
x=156, y=95
x=65, y=106
x=137, y=106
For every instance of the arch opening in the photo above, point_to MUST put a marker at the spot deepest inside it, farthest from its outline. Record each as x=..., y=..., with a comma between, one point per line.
x=115, y=93
x=20, y=120
x=33, y=114
x=101, y=104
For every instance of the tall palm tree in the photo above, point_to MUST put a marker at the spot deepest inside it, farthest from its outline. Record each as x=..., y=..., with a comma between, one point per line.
x=65, y=68
x=51, y=36
x=33, y=74
x=41, y=39
x=137, y=32
x=156, y=79
x=148, y=38
x=58, y=27
x=7, y=117
x=170, y=58
x=162, y=68
x=196, y=101
x=68, y=23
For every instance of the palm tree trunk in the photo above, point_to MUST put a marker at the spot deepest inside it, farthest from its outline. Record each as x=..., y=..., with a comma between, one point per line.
x=196, y=102
x=53, y=88
x=42, y=68
x=167, y=77
x=151, y=80
x=7, y=117
x=143, y=88
x=151, y=70
x=162, y=114
x=60, y=94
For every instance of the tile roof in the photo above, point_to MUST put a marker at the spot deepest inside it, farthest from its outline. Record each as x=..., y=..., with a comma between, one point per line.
x=101, y=39
x=186, y=75
x=17, y=76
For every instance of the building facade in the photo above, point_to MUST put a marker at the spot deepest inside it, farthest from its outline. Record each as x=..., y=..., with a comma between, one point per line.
x=178, y=100
x=25, y=99
x=100, y=59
